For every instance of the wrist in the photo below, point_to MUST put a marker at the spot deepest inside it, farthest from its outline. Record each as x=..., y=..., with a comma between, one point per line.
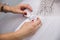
x=19, y=35
x=7, y=8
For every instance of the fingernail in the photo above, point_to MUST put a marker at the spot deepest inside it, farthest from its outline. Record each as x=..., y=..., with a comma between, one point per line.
x=25, y=13
x=37, y=18
x=32, y=20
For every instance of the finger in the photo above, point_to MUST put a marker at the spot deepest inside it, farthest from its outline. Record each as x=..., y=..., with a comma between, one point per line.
x=35, y=29
x=21, y=12
x=32, y=21
x=37, y=22
x=27, y=6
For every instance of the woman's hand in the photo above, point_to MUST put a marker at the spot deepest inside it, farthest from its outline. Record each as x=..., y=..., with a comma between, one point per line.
x=19, y=9
x=29, y=28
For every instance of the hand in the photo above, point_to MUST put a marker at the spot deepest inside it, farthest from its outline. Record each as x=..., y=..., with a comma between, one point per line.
x=19, y=9
x=29, y=28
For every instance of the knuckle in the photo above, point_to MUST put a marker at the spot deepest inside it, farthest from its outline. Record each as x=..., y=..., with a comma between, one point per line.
x=39, y=21
x=33, y=25
x=33, y=28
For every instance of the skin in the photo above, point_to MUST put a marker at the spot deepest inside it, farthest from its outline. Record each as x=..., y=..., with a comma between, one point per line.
x=19, y=9
x=27, y=29
x=23, y=32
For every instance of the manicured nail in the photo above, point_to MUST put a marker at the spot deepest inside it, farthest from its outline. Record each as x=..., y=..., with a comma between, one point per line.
x=25, y=13
x=32, y=20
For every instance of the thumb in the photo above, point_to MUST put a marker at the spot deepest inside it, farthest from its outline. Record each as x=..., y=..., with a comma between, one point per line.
x=21, y=12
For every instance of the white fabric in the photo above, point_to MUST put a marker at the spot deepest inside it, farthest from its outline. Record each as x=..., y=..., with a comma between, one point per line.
x=50, y=24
